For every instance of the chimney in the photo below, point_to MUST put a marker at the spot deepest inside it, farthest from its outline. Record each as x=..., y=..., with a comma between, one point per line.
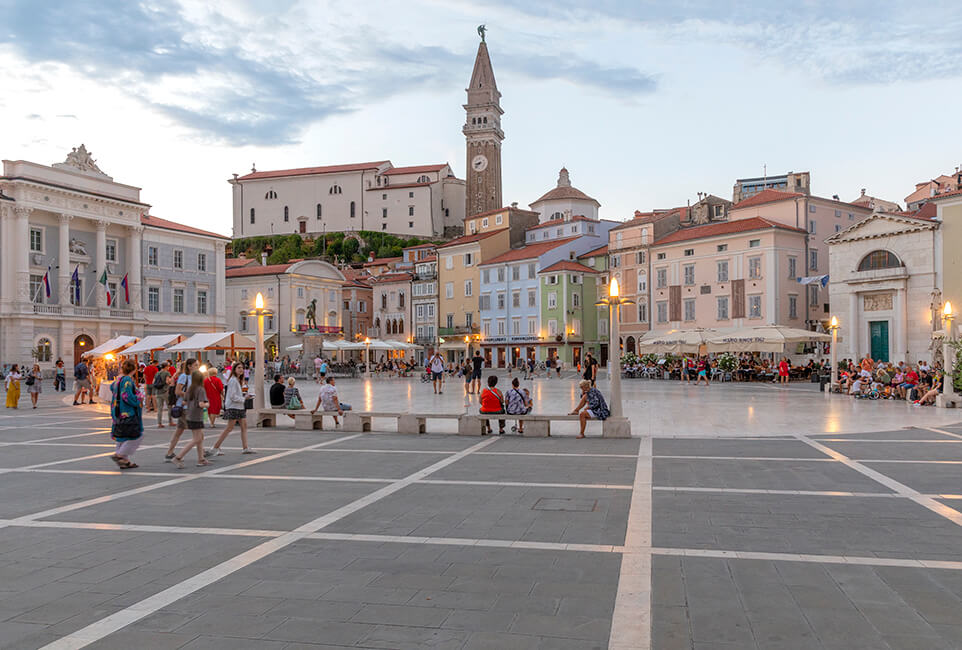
x=263, y=258
x=863, y=191
x=514, y=205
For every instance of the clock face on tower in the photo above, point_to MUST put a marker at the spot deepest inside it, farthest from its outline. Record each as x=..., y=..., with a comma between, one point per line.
x=479, y=163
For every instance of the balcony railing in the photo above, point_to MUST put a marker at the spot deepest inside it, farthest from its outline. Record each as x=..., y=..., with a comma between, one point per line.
x=47, y=309
x=93, y=312
x=460, y=329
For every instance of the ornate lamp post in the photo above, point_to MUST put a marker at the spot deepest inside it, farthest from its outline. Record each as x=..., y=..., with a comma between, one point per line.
x=258, y=373
x=833, y=378
x=616, y=426
x=467, y=347
x=948, y=358
x=367, y=358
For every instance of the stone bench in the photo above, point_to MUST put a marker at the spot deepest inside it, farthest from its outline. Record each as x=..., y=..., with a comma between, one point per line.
x=361, y=420
x=416, y=423
x=539, y=424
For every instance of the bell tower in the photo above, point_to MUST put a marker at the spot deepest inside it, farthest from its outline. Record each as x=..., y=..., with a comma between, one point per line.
x=483, y=136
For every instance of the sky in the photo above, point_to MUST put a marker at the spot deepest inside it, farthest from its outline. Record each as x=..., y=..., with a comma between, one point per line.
x=646, y=103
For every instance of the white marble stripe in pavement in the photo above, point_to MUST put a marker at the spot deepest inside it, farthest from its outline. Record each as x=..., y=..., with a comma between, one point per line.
x=877, y=440
x=807, y=557
x=142, y=528
x=808, y=493
x=938, y=508
x=591, y=486
x=942, y=431
x=631, y=619
x=156, y=486
x=99, y=432
x=765, y=458
x=119, y=620
x=550, y=453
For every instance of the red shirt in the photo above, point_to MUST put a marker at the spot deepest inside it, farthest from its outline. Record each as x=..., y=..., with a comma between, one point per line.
x=912, y=377
x=491, y=400
x=149, y=373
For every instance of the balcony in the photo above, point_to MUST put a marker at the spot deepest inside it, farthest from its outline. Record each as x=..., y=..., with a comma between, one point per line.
x=461, y=329
x=47, y=309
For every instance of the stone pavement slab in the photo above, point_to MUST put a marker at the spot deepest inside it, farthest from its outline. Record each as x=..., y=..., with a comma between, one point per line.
x=782, y=448
x=548, y=469
x=949, y=449
x=763, y=475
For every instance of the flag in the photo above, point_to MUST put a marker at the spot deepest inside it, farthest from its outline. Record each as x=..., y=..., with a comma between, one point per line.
x=109, y=298
x=75, y=279
x=46, y=282
x=103, y=279
x=123, y=283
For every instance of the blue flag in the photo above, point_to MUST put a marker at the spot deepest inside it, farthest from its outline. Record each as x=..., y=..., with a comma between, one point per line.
x=75, y=279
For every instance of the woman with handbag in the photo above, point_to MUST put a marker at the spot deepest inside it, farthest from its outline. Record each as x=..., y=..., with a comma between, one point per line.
x=13, y=386
x=234, y=412
x=126, y=412
x=33, y=383
x=292, y=397
x=196, y=402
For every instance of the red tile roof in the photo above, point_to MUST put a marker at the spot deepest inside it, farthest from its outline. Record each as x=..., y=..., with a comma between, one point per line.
x=397, y=187
x=555, y=222
x=529, y=251
x=945, y=195
x=156, y=222
x=427, y=258
x=926, y=212
x=310, y=171
x=766, y=196
x=724, y=228
x=567, y=265
x=649, y=217
x=595, y=253
x=236, y=262
x=381, y=261
x=392, y=277
x=416, y=169
x=257, y=269
x=467, y=239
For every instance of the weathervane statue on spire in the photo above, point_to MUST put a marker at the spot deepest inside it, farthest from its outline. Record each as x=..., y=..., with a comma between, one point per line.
x=481, y=30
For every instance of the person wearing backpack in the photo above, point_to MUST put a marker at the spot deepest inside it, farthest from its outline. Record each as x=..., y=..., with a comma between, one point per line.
x=177, y=398
x=517, y=404
x=159, y=385
x=149, y=372
x=81, y=376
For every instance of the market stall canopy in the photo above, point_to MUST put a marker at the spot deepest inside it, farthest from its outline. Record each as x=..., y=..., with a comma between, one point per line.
x=763, y=338
x=115, y=344
x=676, y=341
x=337, y=344
x=453, y=345
x=214, y=341
x=153, y=343
x=295, y=348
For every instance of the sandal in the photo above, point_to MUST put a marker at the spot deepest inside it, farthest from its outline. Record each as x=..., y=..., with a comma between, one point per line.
x=204, y=463
x=117, y=459
x=126, y=464
x=178, y=462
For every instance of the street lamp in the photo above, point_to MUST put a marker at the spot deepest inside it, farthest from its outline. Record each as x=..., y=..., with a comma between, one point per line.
x=614, y=301
x=467, y=347
x=948, y=358
x=834, y=376
x=367, y=358
x=258, y=373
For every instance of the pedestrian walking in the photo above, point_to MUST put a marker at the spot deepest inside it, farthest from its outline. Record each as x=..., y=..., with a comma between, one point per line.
x=161, y=384
x=59, y=377
x=33, y=382
x=81, y=383
x=215, y=394
x=436, y=364
x=13, y=386
x=149, y=372
x=195, y=401
x=178, y=403
x=126, y=414
x=477, y=363
x=234, y=413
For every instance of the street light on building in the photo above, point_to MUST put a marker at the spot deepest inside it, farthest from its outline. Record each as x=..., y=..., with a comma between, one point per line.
x=258, y=375
x=367, y=357
x=948, y=358
x=614, y=301
x=834, y=376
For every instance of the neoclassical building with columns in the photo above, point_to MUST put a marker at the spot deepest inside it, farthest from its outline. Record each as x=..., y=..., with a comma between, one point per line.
x=66, y=226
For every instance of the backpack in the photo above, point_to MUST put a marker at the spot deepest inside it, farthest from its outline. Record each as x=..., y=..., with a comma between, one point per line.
x=159, y=381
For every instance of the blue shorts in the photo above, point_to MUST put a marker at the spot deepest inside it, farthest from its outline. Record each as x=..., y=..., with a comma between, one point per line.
x=436, y=375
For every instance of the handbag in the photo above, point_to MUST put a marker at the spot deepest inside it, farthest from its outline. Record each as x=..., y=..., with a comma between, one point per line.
x=30, y=380
x=294, y=404
x=128, y=427
x=176, y=411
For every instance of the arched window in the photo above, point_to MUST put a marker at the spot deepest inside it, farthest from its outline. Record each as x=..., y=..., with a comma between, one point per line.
x=377, y=322
x=287, y=214
x=879, y=260
x=252, y=215
x=318, y=210
x=335, y=189
x=271, y=194
x=630, y=344
x=44, y=350
x=557, y=215
x=352, y=209
x=486, y=119
x=400, y=325
x=423, y=179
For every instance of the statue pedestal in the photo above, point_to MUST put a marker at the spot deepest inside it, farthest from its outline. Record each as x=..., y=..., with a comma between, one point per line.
x=313, y=342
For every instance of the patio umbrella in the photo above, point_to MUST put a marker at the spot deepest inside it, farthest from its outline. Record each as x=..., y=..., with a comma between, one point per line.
x=676, y=341
x=763, y=338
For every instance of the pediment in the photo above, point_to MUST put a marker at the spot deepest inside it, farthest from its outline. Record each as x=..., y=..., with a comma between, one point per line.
x=882, y=225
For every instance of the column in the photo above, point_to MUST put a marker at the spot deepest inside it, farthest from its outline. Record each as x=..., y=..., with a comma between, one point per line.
x=901, y=323
x=134, y=267
x=220, y=271
x=101, y=297
x=853, y=325
x=63, y=261
x=9, y=261
x=22, y=251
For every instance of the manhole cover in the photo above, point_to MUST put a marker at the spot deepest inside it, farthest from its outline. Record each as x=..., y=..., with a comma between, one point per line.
x=566, y=505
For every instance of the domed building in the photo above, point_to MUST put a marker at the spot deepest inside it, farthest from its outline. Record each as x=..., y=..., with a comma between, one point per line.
x=565, y=198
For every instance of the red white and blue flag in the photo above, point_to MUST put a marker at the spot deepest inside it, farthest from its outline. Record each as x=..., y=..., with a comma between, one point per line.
x=46, y=282
x=123, y=283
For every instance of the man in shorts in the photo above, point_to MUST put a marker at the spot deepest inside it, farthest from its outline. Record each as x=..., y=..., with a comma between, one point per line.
x=81, y=375
x=477, y=363
x=150, y=371
x=436, y=367
x=317, y=369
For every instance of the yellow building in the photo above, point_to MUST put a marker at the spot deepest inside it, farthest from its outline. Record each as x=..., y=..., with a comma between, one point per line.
x=511, y=218
x=949, y=206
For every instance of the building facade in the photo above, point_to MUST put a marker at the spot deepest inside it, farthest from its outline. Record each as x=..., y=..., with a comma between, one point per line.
x=424, y=300
x=82, y=261
x=420, y=201
x=357, y=300
x=886, y=287
x=483, y=137
x=392, y=306
x=565, y=286
x=288, y=290
x=745, y=188
x=565, y=199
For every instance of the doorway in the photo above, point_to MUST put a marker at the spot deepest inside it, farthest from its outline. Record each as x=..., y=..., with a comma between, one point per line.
x=501, y=357
x=81, y=344
x=879, y=339
x=604, y=354
x=303, y=227
x=576, y=357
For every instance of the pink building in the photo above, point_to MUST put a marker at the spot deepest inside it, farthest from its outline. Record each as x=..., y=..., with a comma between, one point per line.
x=727, y=274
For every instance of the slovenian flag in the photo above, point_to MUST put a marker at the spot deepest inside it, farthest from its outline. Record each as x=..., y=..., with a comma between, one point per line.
x=123, y=283
x=75, y=279
x=46, y=282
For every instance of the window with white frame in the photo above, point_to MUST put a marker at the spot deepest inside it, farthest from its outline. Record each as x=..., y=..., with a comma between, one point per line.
x=37, y=293
x=515, y=273
x=498, y=219
x=243, y=322
x=793, y=306
x=468, y=288
x=661, y=278
x=615, y=261
x=792, y=267
x=722, y=270
x=516, y=299
x=754, y=268
x=468, y=259
x=500, y=274
x=811, y=227
x=813, y=295
x=721, y=248
x=642, y=283
x=484, y=302
x=501, y=301
x=640, y=257
x=576, y=300
x=532, y=270
x=178, y=301
x=486, y=276
x=111, y=250
x=689, y=274
x=76, y=292
x=486, y=328
x=754, y=306
x=552, y=327
x=449, y=262
x=552, y=299
x=178, y=259
x=754, y=243
x=661, y=310
x=722, y=305
x=449, y=290
x=201, y=301
x=602, y=327
x=153, y=299
x=642, y=312
x=36, y=240
x=484, y=222
x=813, y=260
x=300, y=292
x=689, y=309
x=202, y=262
x=151, y=256
x=501, y=331
x=532, y=298
x=516, y=326
x=532, y=325
x=419, y=312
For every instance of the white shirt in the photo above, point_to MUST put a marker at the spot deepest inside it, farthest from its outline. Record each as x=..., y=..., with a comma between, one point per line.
x=328, y=397
x=437, y=363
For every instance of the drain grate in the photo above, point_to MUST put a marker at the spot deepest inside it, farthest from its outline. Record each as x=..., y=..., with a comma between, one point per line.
x=566, y=505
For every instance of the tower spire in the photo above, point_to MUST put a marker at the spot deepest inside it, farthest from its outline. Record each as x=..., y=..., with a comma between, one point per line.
x=483, y=135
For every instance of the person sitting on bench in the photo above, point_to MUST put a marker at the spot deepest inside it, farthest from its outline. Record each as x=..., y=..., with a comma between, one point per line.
x=492, y=401
x=327, y=400
x=595, y=401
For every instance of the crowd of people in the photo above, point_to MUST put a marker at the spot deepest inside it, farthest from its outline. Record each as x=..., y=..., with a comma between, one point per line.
x=918, y=383
x=747, y=367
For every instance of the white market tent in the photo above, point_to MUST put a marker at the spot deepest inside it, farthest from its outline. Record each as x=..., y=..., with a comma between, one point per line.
x=153, y=343
x=295, y=348
x=115, y=344
x=676, y=341
x=763, y=338
x=231, y=341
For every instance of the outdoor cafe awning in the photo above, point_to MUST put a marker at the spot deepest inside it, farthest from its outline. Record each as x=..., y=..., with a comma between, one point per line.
x=676, y=341
x=215, y=341
x=763, y=338
x=153, y=343
x=115, y=344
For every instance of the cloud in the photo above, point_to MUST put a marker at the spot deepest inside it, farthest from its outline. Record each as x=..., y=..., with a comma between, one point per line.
x=264, y=72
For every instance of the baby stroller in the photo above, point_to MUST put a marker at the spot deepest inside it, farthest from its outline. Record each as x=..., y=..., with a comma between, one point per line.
x=426, y=376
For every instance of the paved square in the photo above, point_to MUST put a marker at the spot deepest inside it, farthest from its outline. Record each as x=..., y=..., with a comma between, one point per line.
x=335, y=539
